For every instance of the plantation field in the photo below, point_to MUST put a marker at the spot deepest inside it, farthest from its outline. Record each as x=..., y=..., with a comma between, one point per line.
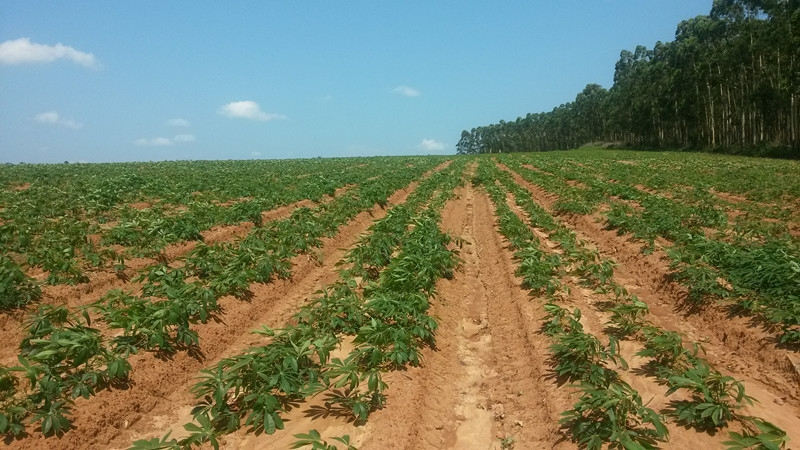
x=526, y=300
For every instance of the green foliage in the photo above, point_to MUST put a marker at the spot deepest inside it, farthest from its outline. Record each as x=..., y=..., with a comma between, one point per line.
x=397, y=330
x=13, y=410
x=537, y=270
x=581, y=357
x=69, y=218
x=16, y=288
x=730, y=63
x=743, y=258
x=351, y=374
x=667, y=350
x=613, y=415
x=315, y=441
x=714, y=397
x=758, y=434
x=628, y=317
x=61, y=358
x=388, y=319
x=594, y=272
x=162, y=443
x=560, y=320
x=251, y=387
x=336, y=309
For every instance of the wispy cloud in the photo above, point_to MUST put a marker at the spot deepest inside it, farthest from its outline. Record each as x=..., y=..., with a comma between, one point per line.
x=163, y=141
x=184, y=138
x=255, y=154
x=183, y=123
x=23, y=51
x=153, y=142
x=407, y=91
x=431, y=145
x=53, y=118
x=248, y=109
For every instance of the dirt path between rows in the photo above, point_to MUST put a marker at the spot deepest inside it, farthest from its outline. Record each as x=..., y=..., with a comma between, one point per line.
x=594, y=319
x=102, y=281
x=736, y=348
x=748, y=347
x=159, y=389
x=488, y=378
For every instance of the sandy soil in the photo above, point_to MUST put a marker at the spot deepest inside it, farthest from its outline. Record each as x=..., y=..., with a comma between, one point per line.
x=489, y=380
x=738, y=348
x=113, y=415
x=102, y=281
x=748, y=347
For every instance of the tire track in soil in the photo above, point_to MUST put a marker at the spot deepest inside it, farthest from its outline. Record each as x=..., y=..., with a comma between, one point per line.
x=160, y=388
x=488, y=378
x=646, y=277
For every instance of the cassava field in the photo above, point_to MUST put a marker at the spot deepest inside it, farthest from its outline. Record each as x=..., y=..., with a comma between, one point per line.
x=546, y=300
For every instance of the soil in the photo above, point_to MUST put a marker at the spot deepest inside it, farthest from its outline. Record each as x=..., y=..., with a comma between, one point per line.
x=536, y=169
x=488, y=381
x=140, y=205
x=650, y=191
x=739, y=348
x=102, y=281
x=576, y=183
x=159, y=388
x=728, y=197
x=21, y=187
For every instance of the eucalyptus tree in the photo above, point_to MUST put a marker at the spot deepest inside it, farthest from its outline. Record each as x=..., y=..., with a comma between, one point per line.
x=730, y=81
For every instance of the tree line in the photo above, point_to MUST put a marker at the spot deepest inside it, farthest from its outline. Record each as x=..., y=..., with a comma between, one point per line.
x=730, y=81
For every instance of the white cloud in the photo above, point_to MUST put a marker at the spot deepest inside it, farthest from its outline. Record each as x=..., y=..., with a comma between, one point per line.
x=255, y=153
x=179, y=123
x=248, y=109
x=23, y=51
x=431, y=145
x=53, y=118
x=407, y=91
x=153, y=142
x=164, y=142
x=184, y=138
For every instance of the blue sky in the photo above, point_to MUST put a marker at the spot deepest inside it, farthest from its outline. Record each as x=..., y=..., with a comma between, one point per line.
x=233, y=80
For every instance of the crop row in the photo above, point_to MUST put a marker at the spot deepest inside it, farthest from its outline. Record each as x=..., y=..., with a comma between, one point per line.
x=71, y=220
x=609, y=410
x=63, y=357
x=755, y=179
x=646, y=186
x=763, y=275
x=385, y=316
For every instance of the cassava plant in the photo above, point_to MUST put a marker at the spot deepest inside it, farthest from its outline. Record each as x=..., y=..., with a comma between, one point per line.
x=614, y=415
